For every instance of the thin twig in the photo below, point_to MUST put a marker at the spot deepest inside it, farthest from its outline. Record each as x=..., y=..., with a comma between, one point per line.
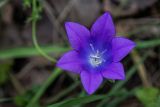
x=52, y=18
x=56, y=22
x=34, y=11
x=17, y=85
x=141, y=69
x=66, y=10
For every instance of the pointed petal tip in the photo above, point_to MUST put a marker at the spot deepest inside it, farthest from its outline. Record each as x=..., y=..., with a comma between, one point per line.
x=67, y=24
x=103, y=28
x=70, y=62
x=91, y=81
x=58, y=64
x=122, y=78
x=134, y=44
x=107, y=13
x=77, y=34
x=90, y=92
x=71, y=23
x=121, y=47
x=130, y=42
x=114, y=71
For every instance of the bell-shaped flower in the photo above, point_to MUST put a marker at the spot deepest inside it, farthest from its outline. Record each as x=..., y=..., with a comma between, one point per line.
x=96, y=52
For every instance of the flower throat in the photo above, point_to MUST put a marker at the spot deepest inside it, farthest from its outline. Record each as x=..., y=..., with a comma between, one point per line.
x=96, y=57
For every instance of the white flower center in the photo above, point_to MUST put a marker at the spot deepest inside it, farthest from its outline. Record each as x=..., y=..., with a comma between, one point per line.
x=96, y=58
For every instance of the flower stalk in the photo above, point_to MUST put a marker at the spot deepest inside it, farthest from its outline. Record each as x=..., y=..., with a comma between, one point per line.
x=35, y=17
x=54, y=74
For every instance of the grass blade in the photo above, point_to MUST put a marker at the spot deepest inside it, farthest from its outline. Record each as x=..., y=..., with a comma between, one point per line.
x=77, y=101
x=29, y=51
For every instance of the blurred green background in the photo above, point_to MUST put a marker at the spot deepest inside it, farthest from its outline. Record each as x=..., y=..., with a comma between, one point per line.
x=27, y=79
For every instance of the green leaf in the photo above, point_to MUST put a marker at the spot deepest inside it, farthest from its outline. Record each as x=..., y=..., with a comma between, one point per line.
x=29, y=51
x=4, y=69
x=78, y=101
x=27, y=3
x=148, y=96
x=158, y=101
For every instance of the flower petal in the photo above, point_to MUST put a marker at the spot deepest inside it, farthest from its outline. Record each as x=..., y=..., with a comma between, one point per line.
x=77, y=34
x=121, y=47
x=91, y=81
x=114, y=71
x=103, y=28
x=70, y=61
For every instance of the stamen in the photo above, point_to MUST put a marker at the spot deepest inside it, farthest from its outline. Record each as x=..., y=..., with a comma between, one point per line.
x=104, y=51
x=92, y=47
x=97, y=52
x=96, y=58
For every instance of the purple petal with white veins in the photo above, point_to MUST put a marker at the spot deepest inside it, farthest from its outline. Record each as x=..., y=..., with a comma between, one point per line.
x=70, y=61
x=91, y=81
x=121, y=47
x=103, y=28
x=77, y=34
x=114, y=71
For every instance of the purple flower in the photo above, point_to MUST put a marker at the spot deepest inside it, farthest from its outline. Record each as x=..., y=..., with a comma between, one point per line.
x=96, y=53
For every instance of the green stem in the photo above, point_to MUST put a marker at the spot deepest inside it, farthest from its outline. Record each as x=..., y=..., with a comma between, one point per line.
x=34, y=20
x=43, y=88
x=56, y=73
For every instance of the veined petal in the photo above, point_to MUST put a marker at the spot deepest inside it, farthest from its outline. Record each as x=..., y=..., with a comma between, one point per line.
x=121, y=47
x=103, y=28
x=70, y=61
x=114, y=71
x=91, y=81
x=77, y=34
